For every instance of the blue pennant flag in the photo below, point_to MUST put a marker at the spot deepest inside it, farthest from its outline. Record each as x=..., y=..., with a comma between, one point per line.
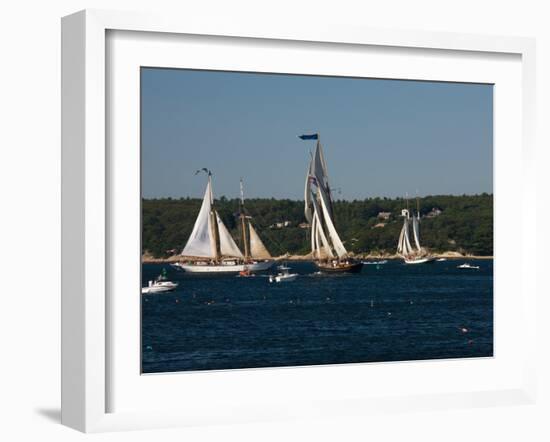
x=309, y=137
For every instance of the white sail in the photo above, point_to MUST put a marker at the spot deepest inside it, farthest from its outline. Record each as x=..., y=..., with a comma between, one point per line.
x=400, y=248
x=325, y=241
x=227, y=244
x=407, y=243
x=321, y=239
x=308, y=207
x=404, y=244
x=317, y=176
x=319, y=168
x=201, y=242
x=257, y=247
x=320, y=172
x=416, y=232
x=314, y=237
x=333, y=234
x=319, y=250
x=323, y=245
x=323, y=253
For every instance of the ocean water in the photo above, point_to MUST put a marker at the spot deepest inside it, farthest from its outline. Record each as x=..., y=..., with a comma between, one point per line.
x=390, y=312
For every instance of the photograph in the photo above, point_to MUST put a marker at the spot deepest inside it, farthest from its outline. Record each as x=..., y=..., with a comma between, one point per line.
x=302, y=220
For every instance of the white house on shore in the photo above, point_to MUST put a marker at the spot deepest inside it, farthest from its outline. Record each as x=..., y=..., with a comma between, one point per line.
x=434, y=212
x=280, y=225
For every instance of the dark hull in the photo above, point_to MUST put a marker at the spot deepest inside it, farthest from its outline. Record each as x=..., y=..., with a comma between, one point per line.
x=353, y=267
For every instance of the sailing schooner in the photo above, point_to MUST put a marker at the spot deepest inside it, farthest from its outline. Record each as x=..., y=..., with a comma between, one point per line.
x=327, y=249
x=410, y=254
x=211, y=248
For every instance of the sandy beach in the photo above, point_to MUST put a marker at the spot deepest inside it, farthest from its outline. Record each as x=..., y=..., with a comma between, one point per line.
x=150, y=259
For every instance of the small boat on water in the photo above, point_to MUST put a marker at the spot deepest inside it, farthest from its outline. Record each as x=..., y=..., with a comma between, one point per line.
x=327, y=249
x=441, y=259
x=410, y=254
x=159, y=285
x=467, y=266
x=384, y=261
x=283, y=275
x=246, y=273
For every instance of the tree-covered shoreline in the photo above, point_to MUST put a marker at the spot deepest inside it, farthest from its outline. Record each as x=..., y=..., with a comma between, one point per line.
x=459, y=223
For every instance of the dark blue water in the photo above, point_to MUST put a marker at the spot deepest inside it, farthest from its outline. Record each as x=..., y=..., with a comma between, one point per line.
x=391, y=312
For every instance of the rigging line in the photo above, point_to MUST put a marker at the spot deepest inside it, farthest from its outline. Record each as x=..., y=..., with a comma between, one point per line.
x=264, y=227
x=245, y=213
x=269, y=236
x=238, y=227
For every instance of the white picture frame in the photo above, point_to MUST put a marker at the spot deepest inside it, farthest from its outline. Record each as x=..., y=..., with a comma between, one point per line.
x=86, y=209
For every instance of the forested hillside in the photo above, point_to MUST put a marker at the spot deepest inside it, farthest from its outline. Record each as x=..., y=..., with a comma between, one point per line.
x=458, y=223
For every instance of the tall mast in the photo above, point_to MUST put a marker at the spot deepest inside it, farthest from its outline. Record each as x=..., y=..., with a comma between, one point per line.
x=213, y=220
x=243, y=223
x=325, y=171
x=318, y=204
x=320, y=216
x=417, y=205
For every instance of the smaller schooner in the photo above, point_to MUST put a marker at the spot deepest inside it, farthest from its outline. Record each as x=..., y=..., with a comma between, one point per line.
x=211, y=249
x=412, y=254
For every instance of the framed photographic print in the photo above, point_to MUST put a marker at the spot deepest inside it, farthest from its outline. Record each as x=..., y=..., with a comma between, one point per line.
x=266, y=223
x=340, y=274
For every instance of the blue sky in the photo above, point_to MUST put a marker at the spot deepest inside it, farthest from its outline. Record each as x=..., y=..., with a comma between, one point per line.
x=380, y=137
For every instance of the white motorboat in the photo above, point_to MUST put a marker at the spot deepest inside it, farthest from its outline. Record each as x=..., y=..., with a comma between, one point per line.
x=211, y=249
x=284, y=275
x=441, y=259
x=467, y=266
x=384, y=261
x=159, y=285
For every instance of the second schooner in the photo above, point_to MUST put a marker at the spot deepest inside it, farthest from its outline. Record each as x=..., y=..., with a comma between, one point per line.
x=327, y=249
x=211, y=248
x=410, y=254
